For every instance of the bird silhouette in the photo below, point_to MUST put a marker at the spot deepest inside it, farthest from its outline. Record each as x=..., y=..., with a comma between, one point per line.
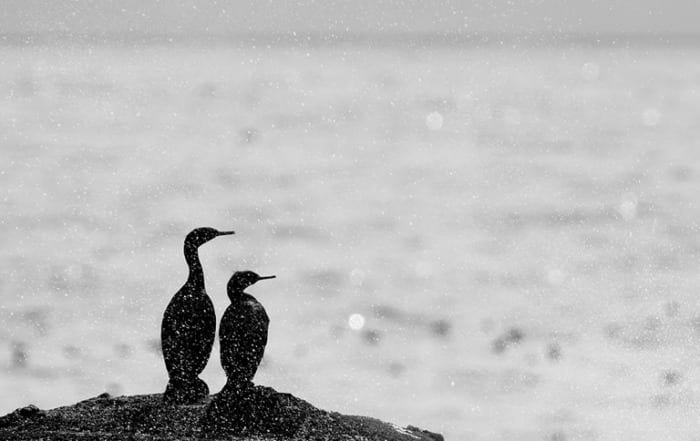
x=242, y=332
x=189, y=327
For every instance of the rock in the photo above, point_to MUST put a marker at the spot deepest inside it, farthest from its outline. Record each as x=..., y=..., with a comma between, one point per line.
x=258, y=414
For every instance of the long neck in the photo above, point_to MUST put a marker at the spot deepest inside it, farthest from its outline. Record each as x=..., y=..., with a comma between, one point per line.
x=196, y=277
x=235, y=293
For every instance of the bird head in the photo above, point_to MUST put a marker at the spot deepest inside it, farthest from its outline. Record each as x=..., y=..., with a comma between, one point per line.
x=240, y=280
x=200, y=236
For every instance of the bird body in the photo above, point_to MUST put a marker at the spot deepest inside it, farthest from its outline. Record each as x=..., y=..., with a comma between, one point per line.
x=188, y=329
x=243, y=336
x=242, y=332
x=187, y=333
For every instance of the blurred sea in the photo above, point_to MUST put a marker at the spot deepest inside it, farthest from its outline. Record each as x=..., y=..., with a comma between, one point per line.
x=517, y=227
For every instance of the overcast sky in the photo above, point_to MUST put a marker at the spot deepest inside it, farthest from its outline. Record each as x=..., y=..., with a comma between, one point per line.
x=353, y=16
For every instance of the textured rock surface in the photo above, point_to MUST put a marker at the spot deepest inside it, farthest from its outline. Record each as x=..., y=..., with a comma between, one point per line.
x=260, y=414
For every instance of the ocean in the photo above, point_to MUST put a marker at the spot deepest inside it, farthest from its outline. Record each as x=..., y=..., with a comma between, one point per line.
x=493, y=242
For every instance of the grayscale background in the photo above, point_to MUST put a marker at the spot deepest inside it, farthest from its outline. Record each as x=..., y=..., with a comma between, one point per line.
x=483, y=215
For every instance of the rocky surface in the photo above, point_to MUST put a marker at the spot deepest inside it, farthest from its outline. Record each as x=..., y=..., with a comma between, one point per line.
x=259, y=414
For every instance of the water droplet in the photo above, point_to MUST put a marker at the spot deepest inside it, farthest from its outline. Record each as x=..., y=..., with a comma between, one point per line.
x=356, y=322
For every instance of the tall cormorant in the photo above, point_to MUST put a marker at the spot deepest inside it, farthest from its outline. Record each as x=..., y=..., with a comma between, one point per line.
x=242, y=332
x=189, y=327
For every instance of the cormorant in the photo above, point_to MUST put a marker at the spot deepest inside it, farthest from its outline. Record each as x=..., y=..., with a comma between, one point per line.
x=242, y=332
x=189, y=327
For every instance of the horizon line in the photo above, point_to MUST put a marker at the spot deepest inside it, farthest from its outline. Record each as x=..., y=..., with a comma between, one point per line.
x=392, y=38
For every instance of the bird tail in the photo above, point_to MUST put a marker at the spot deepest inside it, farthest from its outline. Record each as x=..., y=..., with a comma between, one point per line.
x=186, y=391
x=237, y=386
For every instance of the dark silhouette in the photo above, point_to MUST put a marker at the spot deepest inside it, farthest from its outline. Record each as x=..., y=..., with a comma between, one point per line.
x=242, y=333
x=269, y=415
x=189, y=327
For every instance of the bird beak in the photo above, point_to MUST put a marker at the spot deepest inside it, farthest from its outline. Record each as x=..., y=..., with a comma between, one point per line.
x=266, y=277
x=224, y=233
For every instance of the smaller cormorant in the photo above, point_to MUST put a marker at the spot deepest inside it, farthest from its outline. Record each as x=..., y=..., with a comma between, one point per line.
x=189, y=327
x=242, y=332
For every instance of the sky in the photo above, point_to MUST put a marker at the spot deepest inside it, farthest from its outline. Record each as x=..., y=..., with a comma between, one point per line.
x=349, y=16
